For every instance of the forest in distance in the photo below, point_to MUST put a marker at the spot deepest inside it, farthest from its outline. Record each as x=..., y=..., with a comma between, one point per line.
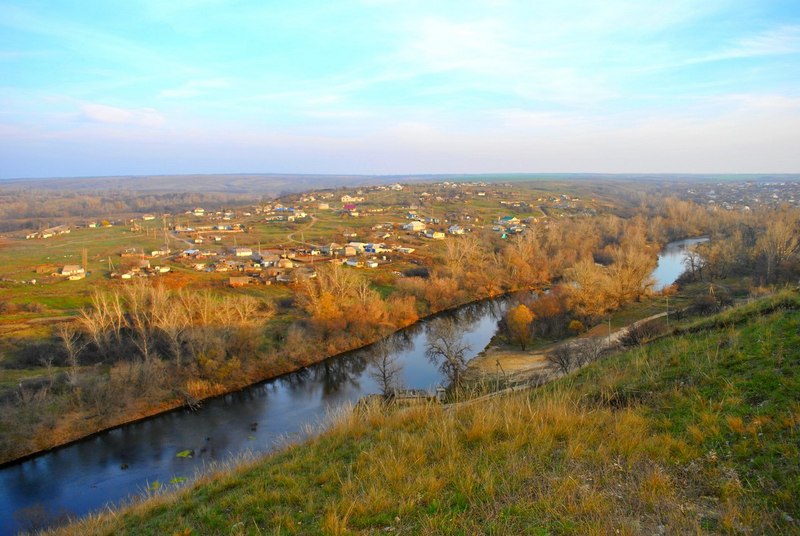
x=78, y=361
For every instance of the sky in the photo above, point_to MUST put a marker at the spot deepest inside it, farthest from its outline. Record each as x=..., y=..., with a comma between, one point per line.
x=92, y=87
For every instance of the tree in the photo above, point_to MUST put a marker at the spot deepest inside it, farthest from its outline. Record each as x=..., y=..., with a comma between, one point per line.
x=385, y=369
x=563, y=358
x=779, y=242
x=576, y=326
x=73, y=345
x=446, y=348
x=518, y=323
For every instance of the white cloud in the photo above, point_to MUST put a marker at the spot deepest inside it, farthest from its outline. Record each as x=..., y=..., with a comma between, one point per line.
x=102, y=113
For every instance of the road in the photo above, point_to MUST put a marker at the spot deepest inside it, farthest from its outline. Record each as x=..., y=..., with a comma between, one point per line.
x=290, y=236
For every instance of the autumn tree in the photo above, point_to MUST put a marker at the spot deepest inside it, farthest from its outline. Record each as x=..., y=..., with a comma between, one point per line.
x=518, y=323
x=778, y=243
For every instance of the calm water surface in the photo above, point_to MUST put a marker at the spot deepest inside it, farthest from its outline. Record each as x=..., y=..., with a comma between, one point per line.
x=670, y=261
x=88, y=475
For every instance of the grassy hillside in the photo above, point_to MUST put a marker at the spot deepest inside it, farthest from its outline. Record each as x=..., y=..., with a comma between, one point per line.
x=695, y=433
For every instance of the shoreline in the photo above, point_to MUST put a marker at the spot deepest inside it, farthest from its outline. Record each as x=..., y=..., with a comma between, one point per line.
x=169, y=408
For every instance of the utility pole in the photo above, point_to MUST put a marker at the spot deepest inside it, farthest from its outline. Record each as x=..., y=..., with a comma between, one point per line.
x=85, y=259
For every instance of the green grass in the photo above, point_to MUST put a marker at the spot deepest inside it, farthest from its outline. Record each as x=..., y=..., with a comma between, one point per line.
x=695, y=433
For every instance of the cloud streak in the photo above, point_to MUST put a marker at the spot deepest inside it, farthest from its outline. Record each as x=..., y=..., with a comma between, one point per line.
x=112, y=115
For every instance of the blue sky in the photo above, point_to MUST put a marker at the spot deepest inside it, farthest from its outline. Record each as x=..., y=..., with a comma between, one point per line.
x=384, y=86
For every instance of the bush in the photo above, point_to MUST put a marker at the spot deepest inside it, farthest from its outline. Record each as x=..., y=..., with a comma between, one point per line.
x=704, y=305
x=642, y=332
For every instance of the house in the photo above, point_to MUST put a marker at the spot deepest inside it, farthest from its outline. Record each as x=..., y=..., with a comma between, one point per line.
x=414, y=226
x=284, y=264
x=354, y=262
x=148, y=217
x=242, y=251
x=349, y=251
x=375, y=248
x=323, y=206
x=199, y=212
x=455, y=230
x=71, y=269
x=508, y=220
x=371, y=264
x=359, y=246
x=434, y=235
x=239, y=281
x=351, y=199
x=331, y=249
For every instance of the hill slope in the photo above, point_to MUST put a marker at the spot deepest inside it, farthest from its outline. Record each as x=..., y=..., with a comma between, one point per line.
x=697, y=432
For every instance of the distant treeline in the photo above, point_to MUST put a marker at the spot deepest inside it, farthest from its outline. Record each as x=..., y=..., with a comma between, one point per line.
x=34, y=209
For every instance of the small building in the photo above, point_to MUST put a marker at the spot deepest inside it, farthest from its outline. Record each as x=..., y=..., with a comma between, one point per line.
x=239, y=281
x=434, y=235
x=72, y=269
x=284, y=264
x=414, y=226
x=455, y=230
x=242, y=252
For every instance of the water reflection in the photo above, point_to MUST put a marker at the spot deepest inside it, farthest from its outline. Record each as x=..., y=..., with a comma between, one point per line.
x=111, y=466
x=671, y=261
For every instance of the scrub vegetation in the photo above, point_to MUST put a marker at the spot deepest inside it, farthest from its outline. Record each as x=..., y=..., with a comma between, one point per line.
x=696, y=432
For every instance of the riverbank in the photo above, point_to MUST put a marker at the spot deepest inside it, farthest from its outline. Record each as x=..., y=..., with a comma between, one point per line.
x=75, y=427
x=620, y=446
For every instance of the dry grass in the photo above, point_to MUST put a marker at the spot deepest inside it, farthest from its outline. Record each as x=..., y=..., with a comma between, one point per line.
x=661, y=440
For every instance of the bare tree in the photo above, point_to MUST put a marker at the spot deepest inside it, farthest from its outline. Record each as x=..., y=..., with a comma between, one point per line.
x=385, y=369
x=73, y=345
x=446, y=348
x=563, y=358
x=588, y=350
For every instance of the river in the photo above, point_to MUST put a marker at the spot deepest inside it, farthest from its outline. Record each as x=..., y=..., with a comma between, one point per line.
x=113, y=465
x=670, y=261
x=110, y=466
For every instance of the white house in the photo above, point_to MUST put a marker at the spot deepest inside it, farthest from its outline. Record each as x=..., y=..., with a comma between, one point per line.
x=414, y=226
x=243, y=252
x=455, y=230
x=71, y=269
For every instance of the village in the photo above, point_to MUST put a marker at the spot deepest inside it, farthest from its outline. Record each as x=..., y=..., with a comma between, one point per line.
x=390, y=228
